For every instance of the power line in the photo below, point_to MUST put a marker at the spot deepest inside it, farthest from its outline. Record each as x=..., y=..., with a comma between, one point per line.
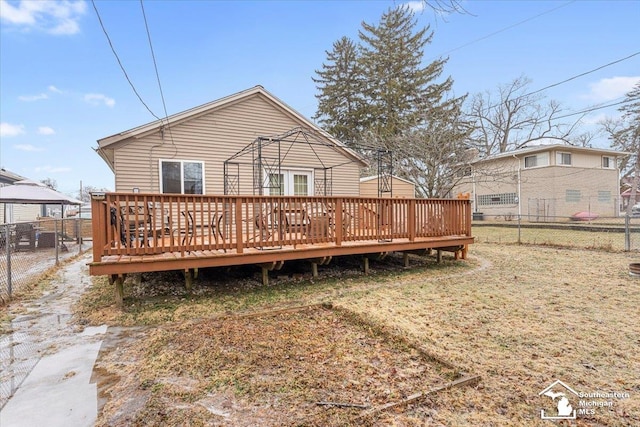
x=120, y=62
x=590, y=109
x=485, y=110
x=507, y=28
x=583, y=74
x=153, y=57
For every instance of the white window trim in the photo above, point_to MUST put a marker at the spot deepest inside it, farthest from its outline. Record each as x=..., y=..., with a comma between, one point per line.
x=612, y=162
x=559, y=158
x=288, y=176
x=524, y=162
x=182, y=162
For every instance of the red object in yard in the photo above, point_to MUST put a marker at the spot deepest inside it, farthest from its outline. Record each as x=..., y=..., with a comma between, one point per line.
x=584, y=216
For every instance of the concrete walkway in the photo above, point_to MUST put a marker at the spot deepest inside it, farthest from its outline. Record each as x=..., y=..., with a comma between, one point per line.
x=46, y=363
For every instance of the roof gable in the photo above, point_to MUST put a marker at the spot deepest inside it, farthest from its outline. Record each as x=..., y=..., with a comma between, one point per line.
x=107, y=144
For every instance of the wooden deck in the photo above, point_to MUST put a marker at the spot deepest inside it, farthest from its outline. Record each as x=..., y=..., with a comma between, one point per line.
x=153, y=232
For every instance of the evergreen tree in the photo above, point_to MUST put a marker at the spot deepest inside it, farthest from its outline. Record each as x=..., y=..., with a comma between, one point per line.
x=398, y=88
x=340, y=100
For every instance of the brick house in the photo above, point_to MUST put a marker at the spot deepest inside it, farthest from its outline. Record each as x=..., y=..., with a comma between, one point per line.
x=544, y=182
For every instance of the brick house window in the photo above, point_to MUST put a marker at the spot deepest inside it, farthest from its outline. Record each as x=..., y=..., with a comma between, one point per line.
x=497, y=199
x=604, y=196
x=531, y=161
x=564, y=159
x=573, y=196
x=607, y=162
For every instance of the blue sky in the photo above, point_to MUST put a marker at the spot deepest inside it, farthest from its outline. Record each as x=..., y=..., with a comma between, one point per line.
x=61, y=88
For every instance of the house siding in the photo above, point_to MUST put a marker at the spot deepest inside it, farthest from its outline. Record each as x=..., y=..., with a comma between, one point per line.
x=546, y=191
x=401, y=189
x=214, y=137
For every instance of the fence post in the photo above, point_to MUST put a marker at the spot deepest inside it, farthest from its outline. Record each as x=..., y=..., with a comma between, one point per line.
x=79, y=234
x=7, y=234
x=627, y=233
x=55, y=233
x=519, y=221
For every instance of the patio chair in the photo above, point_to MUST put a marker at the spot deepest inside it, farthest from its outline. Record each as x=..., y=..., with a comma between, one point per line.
x=24, y=237
x=132, y=223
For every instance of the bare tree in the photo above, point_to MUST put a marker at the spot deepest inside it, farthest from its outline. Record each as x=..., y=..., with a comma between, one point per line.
x=50, y=182
x=85, y=195
x=435, y=155
x=445, y=7
x=512, y=117
x=624, y=134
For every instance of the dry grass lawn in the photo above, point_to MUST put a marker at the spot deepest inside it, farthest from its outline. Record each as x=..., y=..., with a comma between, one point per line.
x=520, y=317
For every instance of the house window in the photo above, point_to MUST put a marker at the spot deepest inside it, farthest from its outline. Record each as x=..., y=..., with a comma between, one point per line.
x=607, y=162
x=276, y=184
x=464, y=171
x=181, y=177
x=290, y=183
x=531, y=161
x=563, y=159
x=604, y=196
x=497, y=199
x=573, y=196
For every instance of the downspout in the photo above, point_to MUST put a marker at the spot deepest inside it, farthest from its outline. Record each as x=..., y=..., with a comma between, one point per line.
x=519, y=187
x=473, y=188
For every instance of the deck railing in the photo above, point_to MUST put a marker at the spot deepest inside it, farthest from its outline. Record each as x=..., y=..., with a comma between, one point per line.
x=139, y=224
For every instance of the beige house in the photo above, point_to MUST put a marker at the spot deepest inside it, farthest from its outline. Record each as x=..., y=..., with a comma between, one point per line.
x=16, y=212
x=545, y=183
x=246, y=143
x=400, y=187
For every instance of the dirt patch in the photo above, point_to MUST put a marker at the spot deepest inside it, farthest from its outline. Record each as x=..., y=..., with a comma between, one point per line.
x=313, y=366
x=520, y=316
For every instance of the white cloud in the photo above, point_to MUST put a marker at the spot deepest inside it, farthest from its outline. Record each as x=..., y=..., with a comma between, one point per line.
x=611, y=88
x=27, y=147
x=31, y=98
x=98, y=98
x=54, y=89
x=46, y=130
x=51, y=169
x=415, y=6
x=53, y=17
x=7, y=129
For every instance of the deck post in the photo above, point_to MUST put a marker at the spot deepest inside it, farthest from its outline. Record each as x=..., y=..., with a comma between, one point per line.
x=265, y=276
x=239, y=243
x=118, y=280
x=411, y=220
x=438, y=256
x=98, y=228
x=188, y=279
x=365, y=264
x=314, y=269
x=338, y=221
x=405, y=259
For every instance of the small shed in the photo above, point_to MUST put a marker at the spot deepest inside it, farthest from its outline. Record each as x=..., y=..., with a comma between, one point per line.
x=402, y=188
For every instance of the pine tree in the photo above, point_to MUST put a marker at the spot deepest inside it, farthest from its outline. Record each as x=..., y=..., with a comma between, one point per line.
x=340, y=100
x=398, y=88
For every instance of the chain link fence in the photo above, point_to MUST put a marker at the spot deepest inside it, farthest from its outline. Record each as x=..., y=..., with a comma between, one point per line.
x=29, y=249
x=603, y=233
x=16, y=362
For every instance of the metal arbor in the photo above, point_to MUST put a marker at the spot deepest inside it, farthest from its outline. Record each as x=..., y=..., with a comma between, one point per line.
x=266, y=155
